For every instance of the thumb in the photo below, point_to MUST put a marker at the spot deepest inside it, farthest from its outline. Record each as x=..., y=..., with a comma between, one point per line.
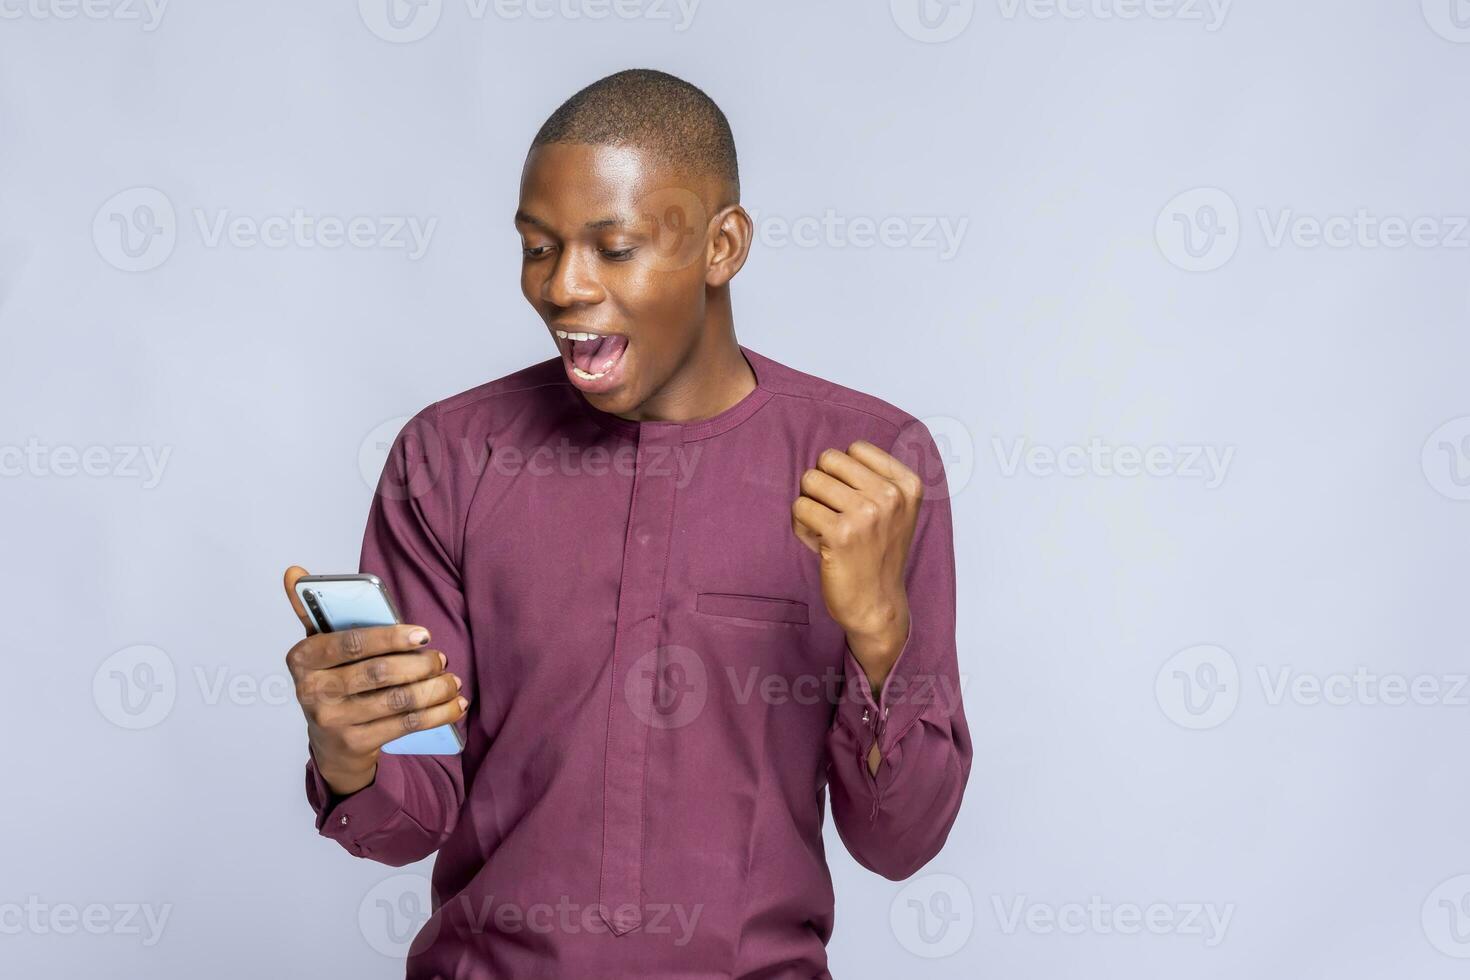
x=295, y=574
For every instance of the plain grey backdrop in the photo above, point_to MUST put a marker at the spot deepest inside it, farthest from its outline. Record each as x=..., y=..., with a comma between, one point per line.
x=1180, y=286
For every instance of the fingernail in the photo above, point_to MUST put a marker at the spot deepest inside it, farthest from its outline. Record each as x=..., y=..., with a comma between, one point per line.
x=443, y=660
x=463, y=704
x=419, y=637
x=457, y=682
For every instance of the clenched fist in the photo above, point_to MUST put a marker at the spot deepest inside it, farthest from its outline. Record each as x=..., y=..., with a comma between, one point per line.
x=857, y=511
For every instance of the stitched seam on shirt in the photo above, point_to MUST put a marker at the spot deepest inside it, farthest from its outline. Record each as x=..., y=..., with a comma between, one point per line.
x=612, y=684
x=487, y=395
x=897, y=428
x=647, y=729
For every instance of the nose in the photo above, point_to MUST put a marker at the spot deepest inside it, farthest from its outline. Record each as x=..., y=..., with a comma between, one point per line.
x=571, y=281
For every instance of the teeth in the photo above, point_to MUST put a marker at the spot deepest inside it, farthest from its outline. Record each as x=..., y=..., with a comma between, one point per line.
x=584, y=375
x=564, y=335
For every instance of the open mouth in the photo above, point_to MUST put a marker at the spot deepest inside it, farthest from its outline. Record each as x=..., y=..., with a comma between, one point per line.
x=592, y=357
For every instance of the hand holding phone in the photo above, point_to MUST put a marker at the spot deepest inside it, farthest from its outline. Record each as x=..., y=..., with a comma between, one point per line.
x=367, y=688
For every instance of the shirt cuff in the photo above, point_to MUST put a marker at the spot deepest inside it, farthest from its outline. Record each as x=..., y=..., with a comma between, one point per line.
x=349, y=820
x=889, y=714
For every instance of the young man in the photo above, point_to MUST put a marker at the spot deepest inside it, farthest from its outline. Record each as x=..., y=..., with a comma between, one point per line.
x=674, y=589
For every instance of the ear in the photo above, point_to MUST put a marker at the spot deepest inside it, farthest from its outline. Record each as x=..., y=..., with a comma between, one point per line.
x=730, y=238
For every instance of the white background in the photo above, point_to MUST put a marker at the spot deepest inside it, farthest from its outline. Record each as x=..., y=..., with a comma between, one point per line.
x=1061, y=140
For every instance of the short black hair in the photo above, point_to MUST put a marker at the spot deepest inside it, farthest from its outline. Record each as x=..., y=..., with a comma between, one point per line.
x=652, y=110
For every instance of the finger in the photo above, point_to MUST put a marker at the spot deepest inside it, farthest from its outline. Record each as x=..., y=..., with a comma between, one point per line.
x=389, y=670
x=384, y=730
x=350, y=646
x=849, y=471
x=295, y=574
x=806, y=535
x=818, y=519
x=390, y=701
x=826, y=489
x=886, y=465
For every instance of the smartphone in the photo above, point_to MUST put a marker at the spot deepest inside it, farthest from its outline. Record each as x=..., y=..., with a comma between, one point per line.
x=343, y=602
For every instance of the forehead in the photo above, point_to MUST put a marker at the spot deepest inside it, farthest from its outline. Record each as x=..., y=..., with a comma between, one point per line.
x=574, y=183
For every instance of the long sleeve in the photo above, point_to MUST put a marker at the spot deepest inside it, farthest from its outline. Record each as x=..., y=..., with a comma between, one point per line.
x=414, y=801
x=894, y=823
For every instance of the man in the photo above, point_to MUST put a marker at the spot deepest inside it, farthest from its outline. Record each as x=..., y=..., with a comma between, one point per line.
x=671, y=588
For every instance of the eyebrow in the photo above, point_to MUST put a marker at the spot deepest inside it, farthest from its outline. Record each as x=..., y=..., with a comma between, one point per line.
x=524, y=218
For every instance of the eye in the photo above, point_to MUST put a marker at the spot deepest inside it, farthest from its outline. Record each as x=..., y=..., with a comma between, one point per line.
x=535, y=251
x=619, y=254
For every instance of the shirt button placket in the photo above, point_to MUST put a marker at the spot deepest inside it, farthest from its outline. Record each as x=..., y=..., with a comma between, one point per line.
x=645, y=556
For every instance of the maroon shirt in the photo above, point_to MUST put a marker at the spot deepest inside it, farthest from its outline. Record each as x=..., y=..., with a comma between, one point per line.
x=658, y=697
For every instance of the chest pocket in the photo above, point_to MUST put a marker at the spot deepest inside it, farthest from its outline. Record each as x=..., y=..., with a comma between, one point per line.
x=760, y=608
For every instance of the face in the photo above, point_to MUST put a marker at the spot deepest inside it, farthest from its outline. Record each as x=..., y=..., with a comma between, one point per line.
x=617, y=260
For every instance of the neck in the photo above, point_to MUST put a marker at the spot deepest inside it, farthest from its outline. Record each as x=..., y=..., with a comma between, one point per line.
x=713, y=378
